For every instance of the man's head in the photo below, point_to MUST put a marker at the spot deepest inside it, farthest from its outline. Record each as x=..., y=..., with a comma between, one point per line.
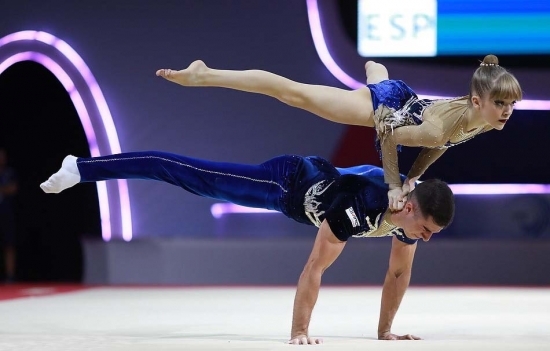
x=430, y=208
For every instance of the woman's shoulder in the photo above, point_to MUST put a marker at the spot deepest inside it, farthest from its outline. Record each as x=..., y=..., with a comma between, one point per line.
x=447, y=108
x=452, y=101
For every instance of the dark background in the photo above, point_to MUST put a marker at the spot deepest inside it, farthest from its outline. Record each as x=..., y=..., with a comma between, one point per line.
x=48, y=227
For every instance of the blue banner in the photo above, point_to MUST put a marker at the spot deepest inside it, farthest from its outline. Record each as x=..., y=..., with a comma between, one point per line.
x=448, y=27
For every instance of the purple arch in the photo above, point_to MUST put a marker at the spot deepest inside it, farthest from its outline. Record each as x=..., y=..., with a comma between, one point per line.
x=75, y=76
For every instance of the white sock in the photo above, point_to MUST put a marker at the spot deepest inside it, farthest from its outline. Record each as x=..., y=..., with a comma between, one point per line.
x=67, y=176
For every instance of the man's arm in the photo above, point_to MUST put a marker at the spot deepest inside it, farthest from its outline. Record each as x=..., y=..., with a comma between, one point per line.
x=325, y=251
x=395, y=285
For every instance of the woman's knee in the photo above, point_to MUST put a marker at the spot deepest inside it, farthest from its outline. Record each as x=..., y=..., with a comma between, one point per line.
x=370, y=65
x=375, y=72
x=294, y=95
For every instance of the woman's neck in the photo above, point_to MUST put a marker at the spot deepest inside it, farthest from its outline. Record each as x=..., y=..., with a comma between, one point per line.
x=473, y=119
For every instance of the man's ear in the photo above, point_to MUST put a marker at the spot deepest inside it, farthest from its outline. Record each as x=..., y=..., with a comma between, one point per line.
x=409, y=207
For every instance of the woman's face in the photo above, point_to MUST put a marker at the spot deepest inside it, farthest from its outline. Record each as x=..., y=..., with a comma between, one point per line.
x=495, y=112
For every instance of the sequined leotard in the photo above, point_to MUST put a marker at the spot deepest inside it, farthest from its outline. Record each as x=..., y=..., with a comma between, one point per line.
x=434, y=125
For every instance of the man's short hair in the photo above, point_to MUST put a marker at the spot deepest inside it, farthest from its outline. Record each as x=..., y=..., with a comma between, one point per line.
x=435, y=199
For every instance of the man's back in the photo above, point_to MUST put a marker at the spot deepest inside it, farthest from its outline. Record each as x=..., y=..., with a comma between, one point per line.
x=352, y=200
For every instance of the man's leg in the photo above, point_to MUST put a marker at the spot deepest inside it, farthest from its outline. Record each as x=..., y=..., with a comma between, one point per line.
x=335, y=104
x=247, y=185
x=362, y=170
x=374, y=173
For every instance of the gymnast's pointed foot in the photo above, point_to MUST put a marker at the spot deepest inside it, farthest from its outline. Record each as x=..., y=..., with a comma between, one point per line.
x=191, y=76
x=67, y=176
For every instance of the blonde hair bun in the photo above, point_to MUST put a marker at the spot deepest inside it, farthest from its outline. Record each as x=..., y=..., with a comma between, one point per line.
x=490, y=60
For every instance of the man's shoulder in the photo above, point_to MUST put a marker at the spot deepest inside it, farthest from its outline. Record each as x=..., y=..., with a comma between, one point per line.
x=365, y=195
x=358, y=182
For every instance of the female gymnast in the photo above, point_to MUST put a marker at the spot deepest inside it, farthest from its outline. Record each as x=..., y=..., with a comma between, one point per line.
x=390, y=106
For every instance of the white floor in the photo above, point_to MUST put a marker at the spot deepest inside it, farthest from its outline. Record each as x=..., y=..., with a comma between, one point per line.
x=259, y=319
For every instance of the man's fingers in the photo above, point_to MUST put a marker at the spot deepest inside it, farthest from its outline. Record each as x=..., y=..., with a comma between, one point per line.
x=399, y=337
x=303, y=340
x=299, y=341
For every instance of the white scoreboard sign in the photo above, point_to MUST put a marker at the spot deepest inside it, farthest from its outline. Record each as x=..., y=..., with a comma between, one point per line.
x=397, y=28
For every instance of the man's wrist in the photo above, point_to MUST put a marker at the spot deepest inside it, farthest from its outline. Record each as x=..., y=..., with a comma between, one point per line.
x=295, y=334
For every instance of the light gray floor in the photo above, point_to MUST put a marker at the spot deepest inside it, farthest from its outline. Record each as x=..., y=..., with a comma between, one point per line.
x=259, y=319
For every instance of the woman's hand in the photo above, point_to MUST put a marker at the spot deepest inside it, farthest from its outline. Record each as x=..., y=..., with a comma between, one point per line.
x=396, y=199
x=409, y=185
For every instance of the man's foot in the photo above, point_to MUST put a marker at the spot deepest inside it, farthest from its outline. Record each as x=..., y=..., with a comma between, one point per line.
x=67, y=176
x=191, y=76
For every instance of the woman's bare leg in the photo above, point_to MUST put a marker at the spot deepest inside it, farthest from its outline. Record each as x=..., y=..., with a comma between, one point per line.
x=334, y=104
